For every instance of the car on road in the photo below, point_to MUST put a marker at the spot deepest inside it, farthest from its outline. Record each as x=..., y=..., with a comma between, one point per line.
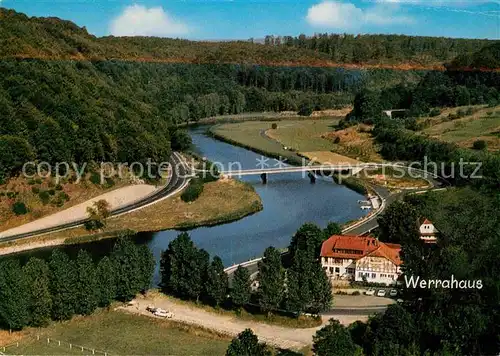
x=393, y=293
x=370, y=292
x=163, y=314
x=381, y=293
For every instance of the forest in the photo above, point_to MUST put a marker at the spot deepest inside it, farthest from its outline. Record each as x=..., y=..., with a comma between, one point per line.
x=115, y=111
x=38, y=291
x=53, y=38
x=397, y=49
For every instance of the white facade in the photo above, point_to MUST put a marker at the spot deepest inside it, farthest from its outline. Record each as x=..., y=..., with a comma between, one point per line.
x=375, y=269
x=428, y=232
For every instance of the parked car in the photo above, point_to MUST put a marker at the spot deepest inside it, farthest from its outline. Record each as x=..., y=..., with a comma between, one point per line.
x=370, y=292
x=151, y=308
x=163, y=314
x=393, y=293
x=381, y=293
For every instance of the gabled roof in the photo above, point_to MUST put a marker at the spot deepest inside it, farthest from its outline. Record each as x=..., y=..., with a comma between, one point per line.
x=357, y=247
x=427, y=221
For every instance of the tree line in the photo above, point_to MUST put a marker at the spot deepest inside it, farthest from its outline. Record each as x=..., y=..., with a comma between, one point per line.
x=294, y=284
x=348, y=48
x=39, y=291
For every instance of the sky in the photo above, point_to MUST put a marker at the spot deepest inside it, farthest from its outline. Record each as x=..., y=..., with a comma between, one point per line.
x=243, y=19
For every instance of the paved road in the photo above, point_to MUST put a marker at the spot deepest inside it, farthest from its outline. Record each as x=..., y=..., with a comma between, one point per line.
x=177, y=181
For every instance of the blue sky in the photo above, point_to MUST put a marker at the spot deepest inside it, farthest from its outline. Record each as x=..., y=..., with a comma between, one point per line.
x=242, y=19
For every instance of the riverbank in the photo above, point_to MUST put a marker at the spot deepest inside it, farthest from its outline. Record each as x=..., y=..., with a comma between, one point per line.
x=221, y=202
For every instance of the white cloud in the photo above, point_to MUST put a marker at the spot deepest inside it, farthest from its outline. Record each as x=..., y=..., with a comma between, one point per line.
x=340, y=15
x=138, y=20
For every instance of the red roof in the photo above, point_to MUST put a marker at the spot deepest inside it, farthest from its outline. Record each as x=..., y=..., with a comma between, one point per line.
x=356, y=247
x=426, y=221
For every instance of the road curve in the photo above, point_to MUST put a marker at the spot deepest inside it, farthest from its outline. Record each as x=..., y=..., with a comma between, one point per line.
x=177, y=182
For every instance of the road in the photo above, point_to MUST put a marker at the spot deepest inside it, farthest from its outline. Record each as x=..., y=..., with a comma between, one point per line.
x=176, y=183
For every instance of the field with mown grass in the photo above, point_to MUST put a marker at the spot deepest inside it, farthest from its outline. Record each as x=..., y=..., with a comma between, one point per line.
x=119, y=333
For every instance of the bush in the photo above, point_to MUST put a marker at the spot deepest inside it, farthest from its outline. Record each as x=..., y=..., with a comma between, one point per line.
x=435, y=112
x=38, y=181
x=274, y=126
x=95, y=178
x=356, y=292
x=52, y=191
x=44, y=197
x=469, y=111
x=59, y=187
x=479, y=145
x=193, y=191
x=19, y=208
x=35, y=190
x=337, y=140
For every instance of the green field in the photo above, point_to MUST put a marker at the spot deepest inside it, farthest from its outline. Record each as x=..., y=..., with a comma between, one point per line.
x=484, y=125
x=296, y=135
x=116, y=332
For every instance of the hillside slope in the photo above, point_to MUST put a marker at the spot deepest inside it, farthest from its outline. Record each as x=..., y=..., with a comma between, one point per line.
x=52, y=38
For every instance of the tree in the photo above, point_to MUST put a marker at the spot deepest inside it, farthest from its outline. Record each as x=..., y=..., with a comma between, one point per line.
x=86, y=282
x=479, y=145
x=180, y=140
x=334, y=340
x=40, y=299
x=125, y=258
x=14, y=295
x=241, y=290
x=147, y=264
x=397, y=222
x=321, y=289
x=62, y=285
x=247, y=344
x=271, y=280
x=106, y=282
x=332, y=229
x=307, y=239
x=183, y=268
x=217, y=282
x=97, y=215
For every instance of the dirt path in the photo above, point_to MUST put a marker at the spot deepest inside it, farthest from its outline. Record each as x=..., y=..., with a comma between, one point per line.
x=279, y=336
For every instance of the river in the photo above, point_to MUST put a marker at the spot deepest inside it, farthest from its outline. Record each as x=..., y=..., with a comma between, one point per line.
x=289, y=200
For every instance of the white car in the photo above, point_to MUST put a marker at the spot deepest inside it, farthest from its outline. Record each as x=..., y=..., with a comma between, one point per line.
x=370, y=292
x=163, y=314
x=393, y=293
x=381, y=293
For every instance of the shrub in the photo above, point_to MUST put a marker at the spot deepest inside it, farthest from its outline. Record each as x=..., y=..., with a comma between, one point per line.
x=44, y=197
x=193, y=191
x=274, y=126
x=31, y=182
x=19, y=208
x=38, y=181
x=479, y=145
x=337, y=140
x=95, y=178
x=356, y=292
x=469, y=111
x=59, y=187
x=52, y=191
x=35, y=190
x=435, y=112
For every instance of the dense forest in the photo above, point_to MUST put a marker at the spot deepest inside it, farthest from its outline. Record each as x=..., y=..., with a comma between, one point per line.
x=397, y=49
x=25, y=37
x=82, y=111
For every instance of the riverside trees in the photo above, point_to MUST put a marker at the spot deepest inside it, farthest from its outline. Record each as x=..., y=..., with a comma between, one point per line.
x=39, y=291
x=187, y=273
